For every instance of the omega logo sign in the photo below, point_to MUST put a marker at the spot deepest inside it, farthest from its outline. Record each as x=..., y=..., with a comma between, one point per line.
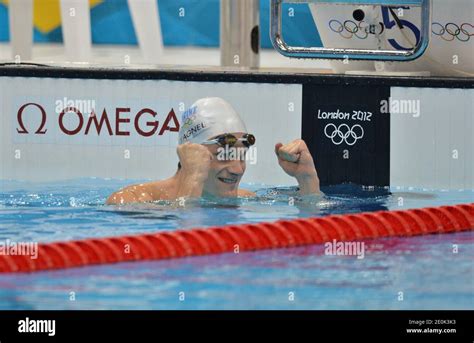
x=117, y=124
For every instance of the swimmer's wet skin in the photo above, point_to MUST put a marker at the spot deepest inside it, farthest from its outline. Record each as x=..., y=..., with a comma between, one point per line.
x=208, y=125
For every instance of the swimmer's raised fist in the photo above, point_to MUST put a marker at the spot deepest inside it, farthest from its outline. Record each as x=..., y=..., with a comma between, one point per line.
x=195, y=159
x=296, y=160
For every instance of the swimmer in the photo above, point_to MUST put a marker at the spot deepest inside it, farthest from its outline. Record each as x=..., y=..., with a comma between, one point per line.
x=209, y=126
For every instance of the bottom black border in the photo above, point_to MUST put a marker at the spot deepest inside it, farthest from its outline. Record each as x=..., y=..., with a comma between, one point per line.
x=243, y=325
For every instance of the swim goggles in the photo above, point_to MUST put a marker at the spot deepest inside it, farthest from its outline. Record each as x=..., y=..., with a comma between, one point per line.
x=230, y=140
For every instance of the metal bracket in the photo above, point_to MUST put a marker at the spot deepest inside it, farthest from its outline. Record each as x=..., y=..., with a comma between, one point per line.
x=353, y=54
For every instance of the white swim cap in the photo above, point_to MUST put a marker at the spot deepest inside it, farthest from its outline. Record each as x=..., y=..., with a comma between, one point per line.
x=207, y=118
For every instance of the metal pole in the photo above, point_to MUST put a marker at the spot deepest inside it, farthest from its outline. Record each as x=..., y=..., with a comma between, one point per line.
x=240, y=36
x=21, y=29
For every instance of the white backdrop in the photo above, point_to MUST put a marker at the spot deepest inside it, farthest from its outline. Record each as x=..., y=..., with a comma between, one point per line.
x=271, y=111
x=436, y=148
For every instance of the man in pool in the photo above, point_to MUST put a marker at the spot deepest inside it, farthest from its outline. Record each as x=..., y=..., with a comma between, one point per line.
x=210, y=129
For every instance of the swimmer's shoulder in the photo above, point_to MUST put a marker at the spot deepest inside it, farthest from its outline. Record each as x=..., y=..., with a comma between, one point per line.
x=130, y=194
x=245, y=193
x=150, y=191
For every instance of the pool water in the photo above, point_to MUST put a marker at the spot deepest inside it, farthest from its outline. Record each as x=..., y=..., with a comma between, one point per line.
x=425, y=272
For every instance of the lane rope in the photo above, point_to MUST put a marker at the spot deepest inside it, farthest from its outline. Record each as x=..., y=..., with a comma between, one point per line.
x=247, y=237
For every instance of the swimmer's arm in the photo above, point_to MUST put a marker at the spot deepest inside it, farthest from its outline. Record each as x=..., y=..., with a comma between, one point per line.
x=308, y=184
x=195, y=162
x=296, y=160
x=129, y=195
x=190, y=186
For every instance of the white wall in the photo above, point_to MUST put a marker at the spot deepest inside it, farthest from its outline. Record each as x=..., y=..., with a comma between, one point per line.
x=53, y=156
x=435, y=149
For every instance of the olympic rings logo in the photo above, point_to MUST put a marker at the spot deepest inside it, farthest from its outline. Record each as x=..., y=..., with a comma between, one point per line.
x=189, y=121
x=349, y=28
x=450, y=31
x=344, y=133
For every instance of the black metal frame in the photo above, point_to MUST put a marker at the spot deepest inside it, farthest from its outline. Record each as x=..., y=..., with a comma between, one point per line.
x=285, y=77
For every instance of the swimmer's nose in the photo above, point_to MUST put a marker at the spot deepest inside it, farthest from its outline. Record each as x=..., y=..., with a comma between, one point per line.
x=236, y=168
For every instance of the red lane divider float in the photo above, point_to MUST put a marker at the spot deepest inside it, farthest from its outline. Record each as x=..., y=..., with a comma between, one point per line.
x=216, y=240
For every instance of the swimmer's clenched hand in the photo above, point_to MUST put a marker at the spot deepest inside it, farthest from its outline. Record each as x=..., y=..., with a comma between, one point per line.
x=195, y=159
x=195, y=162
x=296, y=160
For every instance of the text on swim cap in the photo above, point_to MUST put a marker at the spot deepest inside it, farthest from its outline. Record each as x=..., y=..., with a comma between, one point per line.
x=194, y=130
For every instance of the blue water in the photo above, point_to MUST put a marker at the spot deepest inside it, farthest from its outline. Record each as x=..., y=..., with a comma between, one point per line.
x=423, y=272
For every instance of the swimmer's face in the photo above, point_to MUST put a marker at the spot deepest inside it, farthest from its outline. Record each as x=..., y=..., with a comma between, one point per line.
x=226, y=170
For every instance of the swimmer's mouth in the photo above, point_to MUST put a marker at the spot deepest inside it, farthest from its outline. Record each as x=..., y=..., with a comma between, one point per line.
x=228, y=180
